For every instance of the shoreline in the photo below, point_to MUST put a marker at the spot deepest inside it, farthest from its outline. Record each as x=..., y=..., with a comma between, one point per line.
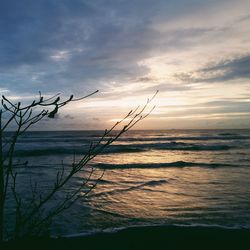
x=148, y=237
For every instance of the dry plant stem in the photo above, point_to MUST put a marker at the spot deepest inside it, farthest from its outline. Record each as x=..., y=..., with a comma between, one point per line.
x=93, y=152
x=24, y=117
x=2, y=201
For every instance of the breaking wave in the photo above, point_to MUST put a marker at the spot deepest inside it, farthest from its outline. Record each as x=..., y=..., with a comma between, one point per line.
x=163, y=165
x=119, y=148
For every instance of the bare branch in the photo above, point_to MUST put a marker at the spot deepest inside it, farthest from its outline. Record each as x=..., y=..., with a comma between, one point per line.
x=25, y=117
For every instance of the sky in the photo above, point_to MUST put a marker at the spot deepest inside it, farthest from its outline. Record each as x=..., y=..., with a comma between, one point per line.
x=195, y=52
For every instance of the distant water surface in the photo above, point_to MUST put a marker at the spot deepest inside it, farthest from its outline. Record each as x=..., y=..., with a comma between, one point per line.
x=171, y=177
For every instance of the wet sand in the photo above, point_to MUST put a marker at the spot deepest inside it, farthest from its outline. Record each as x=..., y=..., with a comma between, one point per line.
x=152, y=237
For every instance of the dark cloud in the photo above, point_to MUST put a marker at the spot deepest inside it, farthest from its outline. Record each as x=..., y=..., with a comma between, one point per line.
x=102, y=41
x=231, y=69
x=222, y=71
x=99, y=43
x=31, y=30
x=68, y=116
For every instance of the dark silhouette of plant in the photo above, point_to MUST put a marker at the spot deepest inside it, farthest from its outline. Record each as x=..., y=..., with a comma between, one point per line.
x=31, y=215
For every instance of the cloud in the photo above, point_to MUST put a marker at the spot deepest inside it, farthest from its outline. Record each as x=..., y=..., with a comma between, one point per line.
x=230, y=69
x=52, y=45
x=123, y=48
x=222, y=71
x=70, y=117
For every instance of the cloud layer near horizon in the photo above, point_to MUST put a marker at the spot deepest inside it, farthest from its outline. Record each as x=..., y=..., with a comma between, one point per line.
x=195, y=52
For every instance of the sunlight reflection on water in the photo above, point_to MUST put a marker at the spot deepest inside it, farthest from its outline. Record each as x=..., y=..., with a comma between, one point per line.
x=207, y=184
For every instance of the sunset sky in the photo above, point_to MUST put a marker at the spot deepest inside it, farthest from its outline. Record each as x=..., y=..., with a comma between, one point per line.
x=195, y=52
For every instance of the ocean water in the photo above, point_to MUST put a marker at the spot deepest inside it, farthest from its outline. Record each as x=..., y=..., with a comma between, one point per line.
x=171, y=177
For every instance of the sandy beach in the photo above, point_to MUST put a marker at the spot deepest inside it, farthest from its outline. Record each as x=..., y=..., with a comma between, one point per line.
x=152, y=237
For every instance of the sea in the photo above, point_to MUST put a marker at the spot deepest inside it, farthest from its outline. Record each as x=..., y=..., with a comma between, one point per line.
x=145, y=178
